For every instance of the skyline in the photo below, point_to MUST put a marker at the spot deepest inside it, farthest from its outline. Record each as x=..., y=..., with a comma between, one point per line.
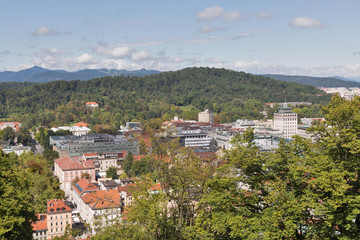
x=308, y=37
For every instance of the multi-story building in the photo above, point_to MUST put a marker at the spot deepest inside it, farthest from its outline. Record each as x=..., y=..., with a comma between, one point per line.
x=193, y=138
x=91, y=105
x=286, y=122
x=58, y=218
x=93, y=143
x=103, y=161
x=206, y=116
x=40, y=227
x=13, y=125
x=67, y=169
x=75, y=130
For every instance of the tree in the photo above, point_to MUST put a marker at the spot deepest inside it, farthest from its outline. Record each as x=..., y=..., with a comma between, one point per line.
x=127, y=164
x=8, y=134
x=16, y=208
x=23, y=136
x=111, y=172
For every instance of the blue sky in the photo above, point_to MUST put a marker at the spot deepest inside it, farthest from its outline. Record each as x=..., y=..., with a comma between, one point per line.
x=296, y=37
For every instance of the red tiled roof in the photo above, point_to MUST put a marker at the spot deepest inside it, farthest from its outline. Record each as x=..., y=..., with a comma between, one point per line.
x=73, y=163
x=40, y=224
x=102, y=199
x=90, y=154
x=125, y=189
x=81, y=124
x=138, y=157
x=85, y=185
x=89, y=103
x=57, y=206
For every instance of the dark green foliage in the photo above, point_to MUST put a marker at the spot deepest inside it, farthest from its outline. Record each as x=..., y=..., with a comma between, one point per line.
x=111, y=172
x=8, y=134
x=23, y=136
x=231, y=95
x=16, y=210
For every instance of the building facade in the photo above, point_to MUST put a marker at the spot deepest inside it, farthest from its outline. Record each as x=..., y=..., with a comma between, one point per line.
x=285, y=121
x=206, y=116
x=58, y=218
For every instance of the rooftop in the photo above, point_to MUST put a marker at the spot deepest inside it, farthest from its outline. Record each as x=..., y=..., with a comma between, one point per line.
x=102, y=199
x=73, y=163
x=57, y=206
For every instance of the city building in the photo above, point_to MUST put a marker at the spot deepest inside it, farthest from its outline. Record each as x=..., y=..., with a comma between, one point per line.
x=67, y=169
x=206, y=116
x=14, y=125
x=40, y=227
x=75, y=130
x=91, y=105
x=93, y=143
x=103, y=161
x=285, y=121
x=193, y=138
x=18, y=150
x=58, y=217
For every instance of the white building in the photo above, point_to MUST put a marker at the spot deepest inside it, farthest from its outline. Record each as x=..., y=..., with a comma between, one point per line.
x=286, y=122
x=206, y=116
x=77, y=131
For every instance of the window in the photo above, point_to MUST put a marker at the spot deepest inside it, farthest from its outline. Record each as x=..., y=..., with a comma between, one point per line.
x=51, y=224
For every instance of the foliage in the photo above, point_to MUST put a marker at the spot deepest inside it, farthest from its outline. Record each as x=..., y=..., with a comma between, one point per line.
x=16, y=208
x=231, y=95
x=111, y=172
x=8, y=134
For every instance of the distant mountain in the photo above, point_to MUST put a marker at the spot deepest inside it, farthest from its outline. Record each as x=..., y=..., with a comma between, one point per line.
x=38, y=74
x=316, y=81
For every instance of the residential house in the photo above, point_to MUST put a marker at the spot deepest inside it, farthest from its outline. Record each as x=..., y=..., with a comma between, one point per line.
x=58, y=218
x=40, y=227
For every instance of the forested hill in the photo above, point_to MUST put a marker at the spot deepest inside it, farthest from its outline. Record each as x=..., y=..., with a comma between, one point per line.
x=315, y=81
x=229, y=94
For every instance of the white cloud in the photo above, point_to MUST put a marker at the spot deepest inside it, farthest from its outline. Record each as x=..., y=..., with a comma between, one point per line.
x=43, y=31
x=214, y=12
x=356, y=53
x=214, y=60
x=209, y=39
x=232, y=16
x=208, y=29
x=305, y=22
x=114, y=51
x=142, y=55
x=264, y=15
x=242, y=35
x=84, y=58
x=192, y=60
x=210, y=13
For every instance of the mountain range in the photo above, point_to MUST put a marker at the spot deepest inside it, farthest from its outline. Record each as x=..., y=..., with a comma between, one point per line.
x=39, y=74
x=329, y=82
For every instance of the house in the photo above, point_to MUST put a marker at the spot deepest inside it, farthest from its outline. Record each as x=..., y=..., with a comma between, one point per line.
x=91, y=105
x=67, y=169
x=81, y=124
x=14, y=125
x=75, y=130
x=58, y=217
x=101, y=208
x=104, y=160
x=206, y=116
x=40, y=227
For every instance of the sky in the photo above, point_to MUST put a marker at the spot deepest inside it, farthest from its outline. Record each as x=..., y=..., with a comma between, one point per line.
x=294, y=37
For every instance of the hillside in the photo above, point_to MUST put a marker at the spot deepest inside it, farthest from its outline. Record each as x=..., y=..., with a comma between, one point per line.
x=38, y=74
x=315, y=81
x=229, y=94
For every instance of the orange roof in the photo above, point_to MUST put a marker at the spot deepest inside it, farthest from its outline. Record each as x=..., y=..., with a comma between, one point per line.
x=138, y=157
x=84, y=185
x=81, y=124
x=156, y=186
x=57, y=206
x=90, y=103
x=40, y=224
x=125, y=189
x=90, y=154
x=73, y=163
x=102, y=199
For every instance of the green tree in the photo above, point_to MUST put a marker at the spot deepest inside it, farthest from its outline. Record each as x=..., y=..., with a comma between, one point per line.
x=127, y=164
x=16, y=208
x=8, y=134
x=111, y=172
x=23, y=136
